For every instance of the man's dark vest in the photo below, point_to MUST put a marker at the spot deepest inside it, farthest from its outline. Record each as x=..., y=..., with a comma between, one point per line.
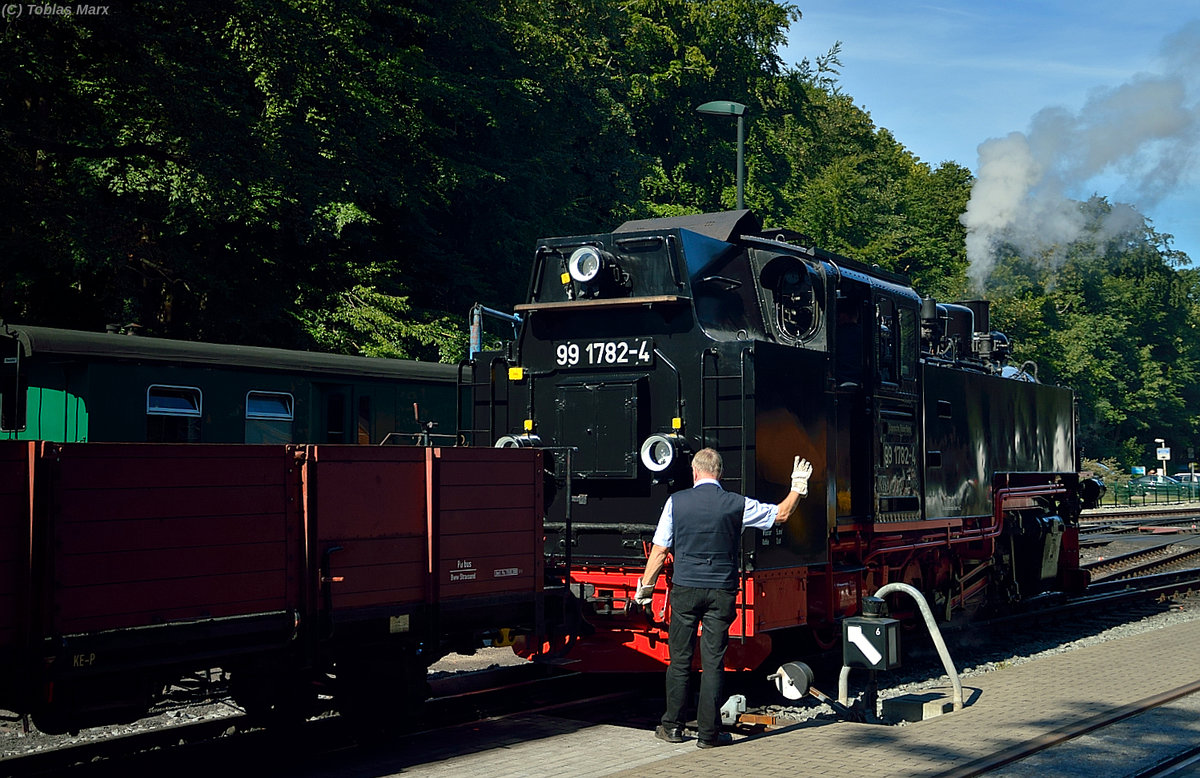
x=707, y=523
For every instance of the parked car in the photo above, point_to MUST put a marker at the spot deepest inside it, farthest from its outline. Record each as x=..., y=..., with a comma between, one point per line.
x=1188, y=478
x=1161, y=487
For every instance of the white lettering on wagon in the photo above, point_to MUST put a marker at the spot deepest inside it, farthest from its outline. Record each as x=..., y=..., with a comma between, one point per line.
x=506, y=572
x=464, y=571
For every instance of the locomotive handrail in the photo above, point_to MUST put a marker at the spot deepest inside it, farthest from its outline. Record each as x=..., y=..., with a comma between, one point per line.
x=678, y=383
x=673, y=260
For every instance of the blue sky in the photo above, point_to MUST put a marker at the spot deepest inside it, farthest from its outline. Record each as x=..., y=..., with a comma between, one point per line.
x=946, y=77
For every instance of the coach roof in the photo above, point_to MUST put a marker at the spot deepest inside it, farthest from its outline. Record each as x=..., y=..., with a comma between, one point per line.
x=47, y=340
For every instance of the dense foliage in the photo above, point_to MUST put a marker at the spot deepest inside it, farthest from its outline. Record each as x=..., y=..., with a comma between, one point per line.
x=352, y=176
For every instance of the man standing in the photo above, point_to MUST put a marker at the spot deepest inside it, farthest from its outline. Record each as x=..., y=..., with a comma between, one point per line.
x=704, y=527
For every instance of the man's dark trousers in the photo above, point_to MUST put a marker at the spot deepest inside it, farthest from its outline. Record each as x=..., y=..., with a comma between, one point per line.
x=712, y=608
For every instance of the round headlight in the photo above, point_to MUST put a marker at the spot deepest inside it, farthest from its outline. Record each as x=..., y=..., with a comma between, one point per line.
x=518, y=441
x=658, y=453
x=585, y=264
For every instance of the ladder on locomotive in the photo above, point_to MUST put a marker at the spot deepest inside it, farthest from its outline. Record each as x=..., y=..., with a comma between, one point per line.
x=716, y=380
x=717, y=434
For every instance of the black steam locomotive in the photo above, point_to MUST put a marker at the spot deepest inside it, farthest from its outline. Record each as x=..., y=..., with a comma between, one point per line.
x=936, y=463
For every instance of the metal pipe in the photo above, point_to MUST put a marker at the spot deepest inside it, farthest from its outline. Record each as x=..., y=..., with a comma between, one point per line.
x=988, y=533
x=934, y=633
x=477, y=313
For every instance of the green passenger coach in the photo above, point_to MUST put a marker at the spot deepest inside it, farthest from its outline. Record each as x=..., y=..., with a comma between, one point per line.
x=72, y=386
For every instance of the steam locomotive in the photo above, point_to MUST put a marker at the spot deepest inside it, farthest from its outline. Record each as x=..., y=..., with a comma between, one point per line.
x=937, y=463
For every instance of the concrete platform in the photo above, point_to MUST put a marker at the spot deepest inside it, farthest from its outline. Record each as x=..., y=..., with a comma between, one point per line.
x=1005, y=709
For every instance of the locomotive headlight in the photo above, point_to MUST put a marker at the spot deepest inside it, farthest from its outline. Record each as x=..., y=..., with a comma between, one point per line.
x=660, y=451
x=585, y=264
x=518, y=441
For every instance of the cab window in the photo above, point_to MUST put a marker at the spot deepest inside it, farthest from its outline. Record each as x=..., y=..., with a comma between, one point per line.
x=908, y=344
x=885, y=340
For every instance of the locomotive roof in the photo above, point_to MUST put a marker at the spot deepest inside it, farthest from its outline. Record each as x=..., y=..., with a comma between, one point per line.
x=48, y=340
x=725, y=226
x=744, y=226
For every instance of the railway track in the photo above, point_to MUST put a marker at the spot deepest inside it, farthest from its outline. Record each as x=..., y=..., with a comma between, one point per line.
x=234, y=739
x=1129, y=735
x=1126, y=516
x=1157, y=559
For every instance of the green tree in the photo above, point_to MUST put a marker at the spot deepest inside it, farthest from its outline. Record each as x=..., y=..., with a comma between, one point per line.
x=1115, y=320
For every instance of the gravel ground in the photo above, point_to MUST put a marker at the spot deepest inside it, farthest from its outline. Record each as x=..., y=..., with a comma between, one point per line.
x=14, y=740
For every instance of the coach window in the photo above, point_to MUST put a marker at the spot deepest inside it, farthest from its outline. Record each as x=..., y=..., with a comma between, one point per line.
x=269, y=417
x=173, y=414
x=364, y=420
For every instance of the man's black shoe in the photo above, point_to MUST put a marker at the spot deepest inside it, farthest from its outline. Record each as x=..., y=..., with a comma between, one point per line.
x=723, y=739
x=671, y=735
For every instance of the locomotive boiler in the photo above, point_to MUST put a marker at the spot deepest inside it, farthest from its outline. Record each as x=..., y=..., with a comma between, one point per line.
x=936, y=463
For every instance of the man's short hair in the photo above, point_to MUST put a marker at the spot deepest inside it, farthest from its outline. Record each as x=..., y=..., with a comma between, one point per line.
x=707, y=460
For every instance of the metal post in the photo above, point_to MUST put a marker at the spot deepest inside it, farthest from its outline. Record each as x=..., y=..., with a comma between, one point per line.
x=741, y=175
x=730, y=108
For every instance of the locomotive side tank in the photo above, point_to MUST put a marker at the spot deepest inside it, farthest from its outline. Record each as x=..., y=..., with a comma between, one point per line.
x=646, y=344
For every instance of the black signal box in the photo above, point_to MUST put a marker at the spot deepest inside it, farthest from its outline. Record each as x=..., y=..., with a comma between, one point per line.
x=873, y=643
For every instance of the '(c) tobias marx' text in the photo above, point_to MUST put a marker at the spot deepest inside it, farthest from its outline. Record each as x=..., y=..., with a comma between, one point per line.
x=16, y=10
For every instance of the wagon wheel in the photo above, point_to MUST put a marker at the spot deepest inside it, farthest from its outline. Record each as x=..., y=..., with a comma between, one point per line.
x=273, y=699
x=380, y=693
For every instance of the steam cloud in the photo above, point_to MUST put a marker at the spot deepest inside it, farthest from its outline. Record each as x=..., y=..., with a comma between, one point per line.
x=1145, y=131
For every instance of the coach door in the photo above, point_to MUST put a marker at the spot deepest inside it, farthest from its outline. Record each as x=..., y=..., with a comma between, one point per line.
x=335, y=414
x=12, y=390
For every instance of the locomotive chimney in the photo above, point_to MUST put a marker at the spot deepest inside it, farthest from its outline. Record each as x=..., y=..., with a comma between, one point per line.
x=931, y=331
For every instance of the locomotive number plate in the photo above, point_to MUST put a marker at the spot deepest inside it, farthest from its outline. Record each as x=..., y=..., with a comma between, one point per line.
x=632, y=352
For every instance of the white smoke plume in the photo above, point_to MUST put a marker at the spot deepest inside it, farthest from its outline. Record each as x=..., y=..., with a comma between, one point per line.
x=1146, y=132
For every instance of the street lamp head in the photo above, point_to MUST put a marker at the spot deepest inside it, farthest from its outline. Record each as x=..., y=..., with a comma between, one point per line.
x=722, y=108
x=730, y=108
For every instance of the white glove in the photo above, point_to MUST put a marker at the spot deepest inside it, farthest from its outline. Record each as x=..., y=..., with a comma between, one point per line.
x=645, y=593
x=801, y=470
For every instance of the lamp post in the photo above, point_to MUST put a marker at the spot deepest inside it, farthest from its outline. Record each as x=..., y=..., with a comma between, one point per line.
x=728, y=108
x=1158, y=454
